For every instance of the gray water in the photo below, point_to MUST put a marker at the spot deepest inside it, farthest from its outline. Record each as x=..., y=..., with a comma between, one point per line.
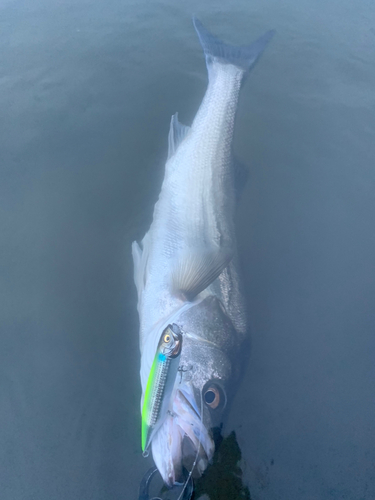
x=87, y=89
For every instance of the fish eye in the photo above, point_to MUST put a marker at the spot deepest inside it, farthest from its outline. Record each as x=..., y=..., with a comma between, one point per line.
x=212, y=397
x=167, y=338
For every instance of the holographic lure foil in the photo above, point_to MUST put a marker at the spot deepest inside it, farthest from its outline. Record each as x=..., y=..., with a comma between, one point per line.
x=160, y=383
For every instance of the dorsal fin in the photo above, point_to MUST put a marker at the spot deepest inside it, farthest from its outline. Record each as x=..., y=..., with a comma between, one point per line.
x=177, y=134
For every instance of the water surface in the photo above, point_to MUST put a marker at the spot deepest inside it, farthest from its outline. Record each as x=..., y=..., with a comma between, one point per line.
x=87, y=91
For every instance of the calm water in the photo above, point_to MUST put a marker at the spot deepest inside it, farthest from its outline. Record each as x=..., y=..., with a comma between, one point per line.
x=87, y=91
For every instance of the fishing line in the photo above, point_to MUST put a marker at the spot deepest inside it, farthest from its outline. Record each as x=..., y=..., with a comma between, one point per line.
x=196, y=456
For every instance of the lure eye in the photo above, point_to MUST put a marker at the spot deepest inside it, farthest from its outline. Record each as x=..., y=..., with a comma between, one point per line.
x=170, y=342
x=212, y=397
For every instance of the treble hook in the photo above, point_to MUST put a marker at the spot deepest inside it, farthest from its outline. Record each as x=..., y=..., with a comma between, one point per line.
x=145, y=485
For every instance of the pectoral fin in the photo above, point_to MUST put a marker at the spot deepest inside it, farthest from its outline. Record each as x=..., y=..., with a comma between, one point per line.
x=196, y=270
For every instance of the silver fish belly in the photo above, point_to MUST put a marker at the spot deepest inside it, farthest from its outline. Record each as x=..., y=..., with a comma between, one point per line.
x=186, y=271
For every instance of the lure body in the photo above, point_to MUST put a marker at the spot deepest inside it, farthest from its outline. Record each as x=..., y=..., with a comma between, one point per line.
x=160, y=383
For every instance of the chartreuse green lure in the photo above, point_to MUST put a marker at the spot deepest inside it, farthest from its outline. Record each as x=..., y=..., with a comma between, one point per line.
x=160, y=383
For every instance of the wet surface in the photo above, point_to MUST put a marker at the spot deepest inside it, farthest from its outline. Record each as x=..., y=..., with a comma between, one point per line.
x=87, y=91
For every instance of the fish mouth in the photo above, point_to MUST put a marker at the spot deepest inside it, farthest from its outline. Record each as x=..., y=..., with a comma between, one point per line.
x=183, y=441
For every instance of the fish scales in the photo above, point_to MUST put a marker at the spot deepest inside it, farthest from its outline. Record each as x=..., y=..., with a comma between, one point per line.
x=186, y=268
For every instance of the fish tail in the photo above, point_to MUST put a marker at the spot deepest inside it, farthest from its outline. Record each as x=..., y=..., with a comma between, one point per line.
x=241, y=56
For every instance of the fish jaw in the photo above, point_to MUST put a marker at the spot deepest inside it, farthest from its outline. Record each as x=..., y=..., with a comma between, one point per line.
x=183, y=441
x=209, y=357
x=167, y=451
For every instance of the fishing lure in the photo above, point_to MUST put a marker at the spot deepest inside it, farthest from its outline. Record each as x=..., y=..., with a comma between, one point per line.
x=160, y=383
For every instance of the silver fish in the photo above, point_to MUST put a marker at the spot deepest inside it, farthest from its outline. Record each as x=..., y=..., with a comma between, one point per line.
x=186, y=269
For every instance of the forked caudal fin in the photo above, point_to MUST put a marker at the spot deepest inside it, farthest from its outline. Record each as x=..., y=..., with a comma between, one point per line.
x=242, y=56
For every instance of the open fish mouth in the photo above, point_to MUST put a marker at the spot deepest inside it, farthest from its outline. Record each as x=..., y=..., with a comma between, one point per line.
x=183, y=441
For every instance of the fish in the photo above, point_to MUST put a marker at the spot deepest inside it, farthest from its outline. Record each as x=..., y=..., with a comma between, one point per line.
x=186, y=268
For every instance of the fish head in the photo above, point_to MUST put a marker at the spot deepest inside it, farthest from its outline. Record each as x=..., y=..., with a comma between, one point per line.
x=208, y=373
